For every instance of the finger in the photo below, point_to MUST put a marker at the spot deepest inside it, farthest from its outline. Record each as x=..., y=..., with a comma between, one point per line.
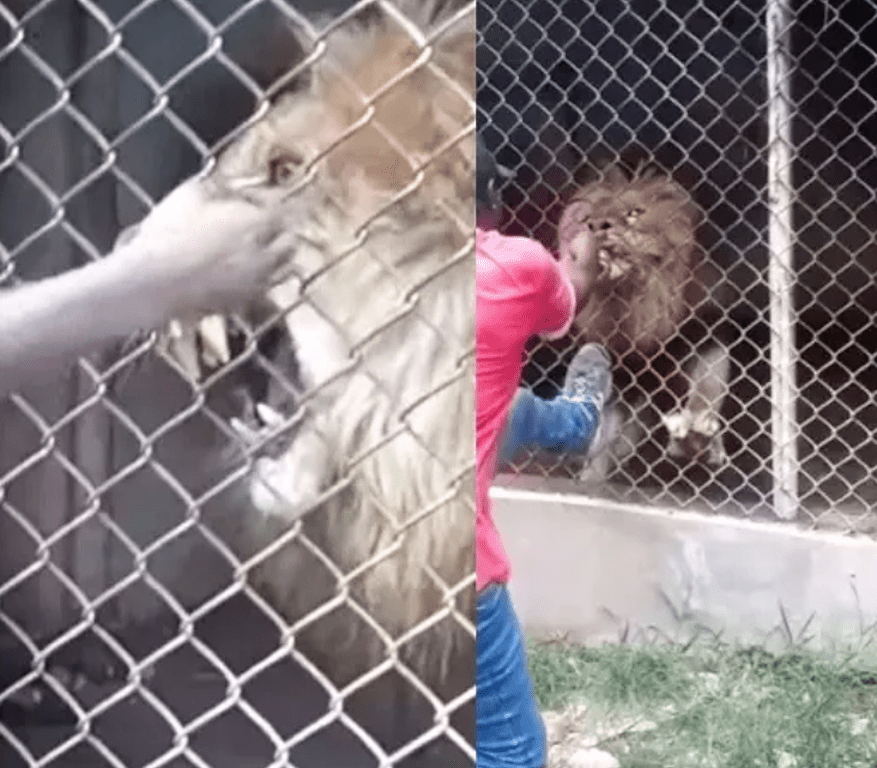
x=281, y=256
x=180, y=343
x=581, y=249
x=214, y=340
x=575, y=216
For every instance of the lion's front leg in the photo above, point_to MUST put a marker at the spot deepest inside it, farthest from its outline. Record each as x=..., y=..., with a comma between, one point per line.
x=695, y=430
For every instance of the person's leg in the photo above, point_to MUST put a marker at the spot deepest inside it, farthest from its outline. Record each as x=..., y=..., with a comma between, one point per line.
x=569, y=422
x=509, y=729
x=556, y=425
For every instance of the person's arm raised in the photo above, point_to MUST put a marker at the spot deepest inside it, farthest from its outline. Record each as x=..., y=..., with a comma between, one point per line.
x=190, y=256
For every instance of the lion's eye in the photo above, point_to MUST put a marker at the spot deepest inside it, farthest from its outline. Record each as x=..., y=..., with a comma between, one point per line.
x=282, y=167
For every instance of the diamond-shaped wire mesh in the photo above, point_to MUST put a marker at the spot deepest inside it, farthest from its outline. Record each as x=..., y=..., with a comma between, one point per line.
x=248, y=542
x=766, y=114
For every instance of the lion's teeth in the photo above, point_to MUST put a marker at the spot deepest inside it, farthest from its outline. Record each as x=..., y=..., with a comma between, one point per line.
x=243, y=430
x=268, y=415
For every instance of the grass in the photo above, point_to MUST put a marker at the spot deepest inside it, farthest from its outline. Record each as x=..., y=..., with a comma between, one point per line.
x=718, y=706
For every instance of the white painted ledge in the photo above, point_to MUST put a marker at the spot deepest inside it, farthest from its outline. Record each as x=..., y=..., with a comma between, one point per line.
x=595, y=569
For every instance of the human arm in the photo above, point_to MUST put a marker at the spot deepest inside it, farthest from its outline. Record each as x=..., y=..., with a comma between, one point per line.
x=565, y=285
x=191, y=255
x=578, y=260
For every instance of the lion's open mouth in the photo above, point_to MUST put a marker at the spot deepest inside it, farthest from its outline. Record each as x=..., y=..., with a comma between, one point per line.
x=613, y=264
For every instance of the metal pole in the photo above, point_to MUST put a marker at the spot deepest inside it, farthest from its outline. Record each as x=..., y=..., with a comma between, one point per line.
x=780, y=244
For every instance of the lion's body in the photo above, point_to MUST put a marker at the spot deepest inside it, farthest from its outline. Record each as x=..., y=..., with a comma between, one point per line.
x=652, y=281
x=383, y=341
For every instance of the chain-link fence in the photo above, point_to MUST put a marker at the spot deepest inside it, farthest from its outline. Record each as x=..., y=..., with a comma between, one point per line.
x=247, y=542
x=756, y=395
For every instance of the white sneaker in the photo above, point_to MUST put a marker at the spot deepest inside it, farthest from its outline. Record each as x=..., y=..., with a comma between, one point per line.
x=589, y=379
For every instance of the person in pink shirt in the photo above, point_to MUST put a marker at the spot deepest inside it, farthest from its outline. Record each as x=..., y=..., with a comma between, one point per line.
x=521, y=291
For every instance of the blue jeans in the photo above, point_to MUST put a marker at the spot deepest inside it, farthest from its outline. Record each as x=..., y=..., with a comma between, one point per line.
x=556, y=425
x=509, y=729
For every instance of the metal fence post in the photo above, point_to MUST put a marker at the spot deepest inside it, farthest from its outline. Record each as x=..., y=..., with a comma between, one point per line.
x=781, y=274
x=764, y=113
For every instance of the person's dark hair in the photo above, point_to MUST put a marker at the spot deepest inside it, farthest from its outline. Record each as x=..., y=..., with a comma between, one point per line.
x=489, y=177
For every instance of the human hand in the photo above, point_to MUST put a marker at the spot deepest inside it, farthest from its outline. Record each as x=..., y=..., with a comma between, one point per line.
x=212, y=251
x=578, y=258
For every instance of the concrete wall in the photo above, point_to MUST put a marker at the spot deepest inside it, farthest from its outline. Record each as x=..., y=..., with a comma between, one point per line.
x=600, y=571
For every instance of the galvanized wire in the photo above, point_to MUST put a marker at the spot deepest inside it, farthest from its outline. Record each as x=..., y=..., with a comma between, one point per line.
x=84, y=570
x=765, y=112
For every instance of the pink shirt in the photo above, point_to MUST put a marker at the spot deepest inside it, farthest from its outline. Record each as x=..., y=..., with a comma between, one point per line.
x=521, y=292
